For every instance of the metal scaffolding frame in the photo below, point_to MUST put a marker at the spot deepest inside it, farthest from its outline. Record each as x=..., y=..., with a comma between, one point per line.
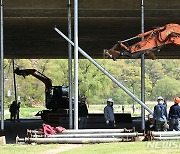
x=76, y=48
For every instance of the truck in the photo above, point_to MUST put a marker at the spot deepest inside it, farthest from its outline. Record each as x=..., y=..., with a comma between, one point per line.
x=56, y=97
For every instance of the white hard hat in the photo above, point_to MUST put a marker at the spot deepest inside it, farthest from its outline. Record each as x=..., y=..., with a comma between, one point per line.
x=160, y=97
x=150, y=116
x=110, y=100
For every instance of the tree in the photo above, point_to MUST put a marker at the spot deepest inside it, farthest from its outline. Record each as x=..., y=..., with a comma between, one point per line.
x=160, y=76
x=166, y=87
x=92, y=81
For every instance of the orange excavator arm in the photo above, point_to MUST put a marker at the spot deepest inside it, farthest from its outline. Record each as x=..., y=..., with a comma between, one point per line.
x=36, y=74
x=153, y=41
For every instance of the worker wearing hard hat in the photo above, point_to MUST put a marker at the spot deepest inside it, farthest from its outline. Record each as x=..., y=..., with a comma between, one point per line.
x=149, y=126
x=160, y=114
x=174, y=115
x=109, y=113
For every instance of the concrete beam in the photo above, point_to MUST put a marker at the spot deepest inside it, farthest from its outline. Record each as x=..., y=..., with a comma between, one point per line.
x=115, y=4
x=28, y=25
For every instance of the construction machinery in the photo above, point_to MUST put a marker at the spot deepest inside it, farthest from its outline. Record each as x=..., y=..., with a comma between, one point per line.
x=56, y=97
x=152, y=42
x=58, y=106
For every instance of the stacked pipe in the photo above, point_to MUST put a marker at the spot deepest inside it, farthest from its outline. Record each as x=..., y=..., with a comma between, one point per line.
x=81, y=136
x=165, y=135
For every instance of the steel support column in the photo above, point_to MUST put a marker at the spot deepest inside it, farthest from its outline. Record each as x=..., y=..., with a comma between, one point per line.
x=70, y=66
x=2, y=70
x=142, y=71
x=76, y=64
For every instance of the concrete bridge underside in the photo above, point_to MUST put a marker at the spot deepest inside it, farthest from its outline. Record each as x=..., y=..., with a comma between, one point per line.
x=28, y=25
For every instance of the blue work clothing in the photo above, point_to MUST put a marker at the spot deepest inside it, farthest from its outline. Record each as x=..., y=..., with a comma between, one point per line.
x=160, y=112
x=174, y=124
x=109, y=113
x=174, y=117
x=160, y=125
x=160, y=116
x=109, y=116
x=174, y=111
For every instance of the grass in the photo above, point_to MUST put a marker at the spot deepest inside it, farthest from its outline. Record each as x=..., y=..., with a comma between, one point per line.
x=26, y=149
x=150, y=147
x=127, y=148
x=28, y=112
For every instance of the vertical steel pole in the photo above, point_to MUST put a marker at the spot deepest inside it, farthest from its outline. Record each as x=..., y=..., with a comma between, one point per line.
x=70, y=65
x=76, y=64
x=142, y=71
x=14, y=80
x=2, y=70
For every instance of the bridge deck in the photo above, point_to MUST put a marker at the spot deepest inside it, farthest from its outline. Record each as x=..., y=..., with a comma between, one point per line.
x=28, y=25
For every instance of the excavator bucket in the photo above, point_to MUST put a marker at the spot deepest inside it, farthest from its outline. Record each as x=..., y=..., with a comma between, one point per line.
x=151, y=55
x=21, y=72
x=113, y=54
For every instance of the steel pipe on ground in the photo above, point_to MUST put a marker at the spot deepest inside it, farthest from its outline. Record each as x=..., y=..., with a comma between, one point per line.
x=167, y=138
x=168, y=133
x=70, y=140
x=34, y=132
x=84, y=131
x=99, y=135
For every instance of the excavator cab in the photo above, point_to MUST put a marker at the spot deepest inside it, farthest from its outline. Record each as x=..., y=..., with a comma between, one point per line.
x=57, y=97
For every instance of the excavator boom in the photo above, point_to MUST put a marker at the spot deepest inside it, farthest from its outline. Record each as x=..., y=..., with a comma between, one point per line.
x=36, y=74
x=153, y=41
x=56, y=97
